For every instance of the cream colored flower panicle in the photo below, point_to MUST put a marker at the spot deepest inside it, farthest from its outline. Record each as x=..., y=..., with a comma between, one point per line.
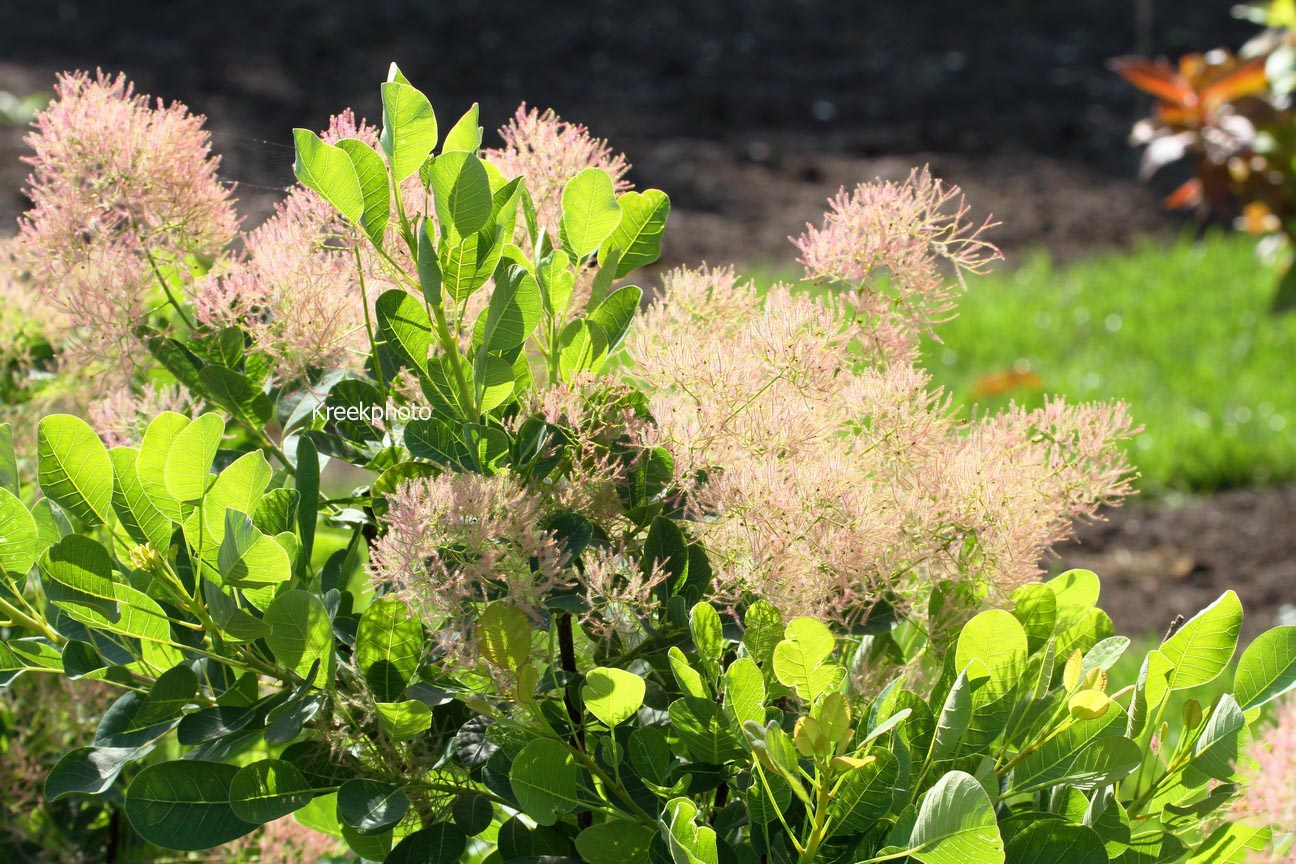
x=830, y=480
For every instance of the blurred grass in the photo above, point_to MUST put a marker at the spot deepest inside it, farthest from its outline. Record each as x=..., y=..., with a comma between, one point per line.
x=1181, y=332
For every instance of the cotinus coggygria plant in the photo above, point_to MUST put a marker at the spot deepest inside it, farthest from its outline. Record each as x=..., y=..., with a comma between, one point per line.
x=399, y=519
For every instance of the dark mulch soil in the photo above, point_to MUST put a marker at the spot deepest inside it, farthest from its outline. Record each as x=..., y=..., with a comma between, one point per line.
x=749, y=113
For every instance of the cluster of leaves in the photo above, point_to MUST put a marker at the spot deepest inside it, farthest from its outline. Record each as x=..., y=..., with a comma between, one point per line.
x=207, y=575
x=1231, y=116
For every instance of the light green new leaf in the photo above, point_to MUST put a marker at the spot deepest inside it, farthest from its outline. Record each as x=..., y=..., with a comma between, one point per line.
x=329, y=171
x=688, y=841
x=409, y=130
x=638, y=233
x=582, y=347
x=184, y=805
x=616, y=842
x=1076, y=592
x=189, y=460
x=1036, y=607
x=1267, y=668
x=998, y=640
x=268, y=789
x=461, y=193
x=239, y=488
x=77, y=571
x=1219, y=747
x=590, y=212
x=503, y=635
x=1056, y=842
x=799, y=658
x=74, y=468
x=374, y=190
x=1232, y=843
x=546, y=780
x=556, y=281
x=745, y=691
x=865, y=793
x=138, y=616
x=956, y=824
x=404, y=721
x=1203, y=647
x=19, y=540
x=615, y=314
x=300, y=632
x=389, y=644
x=512, y=313
x=150, y=465
x=405, y=328
x=612, y=695
x=8, y=460
x=465, y=134
x=141, y=519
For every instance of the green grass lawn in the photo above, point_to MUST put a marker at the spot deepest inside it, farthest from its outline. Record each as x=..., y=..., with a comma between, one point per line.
x=1182, y=333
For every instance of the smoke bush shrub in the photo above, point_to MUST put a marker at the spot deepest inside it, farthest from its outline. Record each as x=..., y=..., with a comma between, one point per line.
x=724, y=585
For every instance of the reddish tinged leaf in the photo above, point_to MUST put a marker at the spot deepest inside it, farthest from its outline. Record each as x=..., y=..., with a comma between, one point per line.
x=1187, y=195
x=1156, y=77
x=1248, y=79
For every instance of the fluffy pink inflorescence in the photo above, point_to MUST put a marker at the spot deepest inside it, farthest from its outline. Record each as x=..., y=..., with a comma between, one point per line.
x=296, y=288
x=549, y=151
x=832, y=480
x=1268, y=796
x=114, y=181
x=892, y=241
x=461, y=538
x=121, y=415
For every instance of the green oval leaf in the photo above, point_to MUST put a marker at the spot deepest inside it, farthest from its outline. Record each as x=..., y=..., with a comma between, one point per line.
x=74, y=468
x=19, y=540
x=189, y=460
x=300, y=632
x=639, y=232
x=590, y=212
x=409, y=128
x=545, y=780
x=267, y=790
x=1203, y=647
x=461, y=193
x=1052, y=842
x=329, y=171
x=185, y=805
x=1267, y=668
x=612, y=695
x=371, y=807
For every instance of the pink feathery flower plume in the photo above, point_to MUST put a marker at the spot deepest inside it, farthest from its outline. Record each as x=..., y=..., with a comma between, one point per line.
x=892, y=242
x=461, y=538
x=296, y=288
x=117, y=185
x=1268, y=796
x=549, y=151
x=825, y=481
